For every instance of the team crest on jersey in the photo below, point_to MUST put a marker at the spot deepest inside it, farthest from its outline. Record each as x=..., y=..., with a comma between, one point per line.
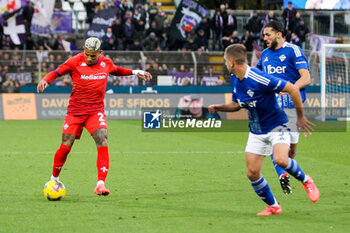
x=266, y=59
x=83, y=64
x=282, y=57
x=66, y=126
x=103, y=64
x=250, y=93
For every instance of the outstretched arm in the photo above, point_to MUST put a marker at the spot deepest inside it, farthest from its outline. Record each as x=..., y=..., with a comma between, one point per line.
x=44, y=83
x=142, y=74
x=120, y=71
x=229, y=107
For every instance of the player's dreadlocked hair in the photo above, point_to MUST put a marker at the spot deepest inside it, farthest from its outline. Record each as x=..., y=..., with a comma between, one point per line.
x=277, y=26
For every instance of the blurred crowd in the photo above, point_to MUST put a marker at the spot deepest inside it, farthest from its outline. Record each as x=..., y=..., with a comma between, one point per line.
x=142, y=26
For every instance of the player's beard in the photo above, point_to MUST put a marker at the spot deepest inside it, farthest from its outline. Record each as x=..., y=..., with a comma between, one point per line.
x=273, y=44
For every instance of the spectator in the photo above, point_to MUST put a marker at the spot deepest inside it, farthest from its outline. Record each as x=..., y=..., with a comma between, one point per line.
x=109, y=42
x=6, y=59
x=165, y=40
x=154, y=29
x=202, y=40
x=58, y=5
x=128, y=34
x=156, y=71
x=102, y=6
x=296, y=22
x=223, y=11
x=232, y=39
x=295, y=39
x=159, y=19
x=139, y=25
x=15, y=62
x=217, y=25
x=248, y=41
x=302, y=32
x=11, y=86
x=29, y=43
x=141, y=9
x=28, y=12
x=183, y=69
x=254, y=27
x=190, y=45
x=43, y=54
x=270, y=16
x=116, y=82
x=117, y=30
x=124, y=7
x=90, y=10
x=152, y=42
x=152, y=12
x=230, y=23
x=205, y=26
x=289, y=16
x=136, y=46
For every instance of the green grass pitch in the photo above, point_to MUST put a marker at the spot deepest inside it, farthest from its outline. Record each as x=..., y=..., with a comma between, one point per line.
x=164, y=182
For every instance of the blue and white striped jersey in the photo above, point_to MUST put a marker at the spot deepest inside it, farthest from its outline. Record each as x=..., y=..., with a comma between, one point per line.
x=284, y=63
x=256, y=92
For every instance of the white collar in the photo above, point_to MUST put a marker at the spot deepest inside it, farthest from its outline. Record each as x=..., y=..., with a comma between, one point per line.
x=247, y=72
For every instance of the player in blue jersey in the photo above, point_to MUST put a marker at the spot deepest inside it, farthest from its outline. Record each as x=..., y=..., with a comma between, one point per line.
x=287, y=61
x=255, y=90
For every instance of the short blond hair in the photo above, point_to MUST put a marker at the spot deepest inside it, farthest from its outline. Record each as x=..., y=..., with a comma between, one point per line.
x=238, y=52
x=92, y=44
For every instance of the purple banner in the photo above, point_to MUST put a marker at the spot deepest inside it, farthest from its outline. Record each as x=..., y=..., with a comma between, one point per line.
x=21, y=77
x=182, y=79
x=316, y=41
x=210, y=80
x=62, y=22
x=131, y=80
x=102, y=20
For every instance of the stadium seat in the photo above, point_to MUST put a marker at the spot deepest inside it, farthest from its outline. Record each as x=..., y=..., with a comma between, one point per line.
x=78, y=6
x=82, y=15
x=66, y=6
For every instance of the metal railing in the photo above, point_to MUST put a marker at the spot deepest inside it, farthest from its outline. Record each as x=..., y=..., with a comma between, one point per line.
x=30, y=66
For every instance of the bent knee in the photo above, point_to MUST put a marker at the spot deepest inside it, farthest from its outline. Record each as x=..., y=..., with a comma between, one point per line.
x=282, y=162
x=253, y=175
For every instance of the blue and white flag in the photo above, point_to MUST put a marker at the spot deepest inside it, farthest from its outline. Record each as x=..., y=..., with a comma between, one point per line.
x=12, y=19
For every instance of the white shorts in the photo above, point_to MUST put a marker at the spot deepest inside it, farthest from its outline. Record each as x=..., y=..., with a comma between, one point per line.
x=262, y=144
x=292, y=124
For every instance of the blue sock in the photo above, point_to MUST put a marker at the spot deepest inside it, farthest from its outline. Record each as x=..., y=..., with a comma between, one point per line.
x=263, y=190
x=294, y=169
x=278, y=169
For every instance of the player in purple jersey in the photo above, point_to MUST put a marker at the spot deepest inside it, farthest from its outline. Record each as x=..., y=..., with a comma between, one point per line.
x=255, y=90
x=286, y=61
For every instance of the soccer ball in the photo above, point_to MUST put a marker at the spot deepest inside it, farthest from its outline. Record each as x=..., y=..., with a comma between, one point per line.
x=54, y=190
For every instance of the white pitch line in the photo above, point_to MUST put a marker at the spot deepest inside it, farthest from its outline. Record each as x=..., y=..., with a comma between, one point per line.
x=131, y=152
